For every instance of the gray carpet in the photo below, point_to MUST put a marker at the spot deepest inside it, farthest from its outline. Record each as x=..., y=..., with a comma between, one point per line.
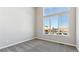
x=39, y=46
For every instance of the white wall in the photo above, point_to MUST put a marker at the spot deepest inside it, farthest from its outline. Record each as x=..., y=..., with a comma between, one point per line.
x=70, y=40
x=16, y=25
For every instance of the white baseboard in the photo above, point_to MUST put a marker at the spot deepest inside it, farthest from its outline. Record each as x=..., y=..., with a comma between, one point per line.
x=77, y=48
x=16, y=43
x=56, y=41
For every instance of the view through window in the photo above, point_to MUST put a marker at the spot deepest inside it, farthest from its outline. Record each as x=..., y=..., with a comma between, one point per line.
x=56, y=20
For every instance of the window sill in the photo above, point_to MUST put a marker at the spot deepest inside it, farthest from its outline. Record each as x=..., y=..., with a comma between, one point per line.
x=55, y=35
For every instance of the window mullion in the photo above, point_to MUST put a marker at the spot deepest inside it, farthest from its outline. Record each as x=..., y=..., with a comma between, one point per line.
x=58, y=25
x=49, y=24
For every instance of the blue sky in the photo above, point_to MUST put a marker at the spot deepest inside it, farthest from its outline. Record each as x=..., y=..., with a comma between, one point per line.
x=49, y=10
x=64, y=20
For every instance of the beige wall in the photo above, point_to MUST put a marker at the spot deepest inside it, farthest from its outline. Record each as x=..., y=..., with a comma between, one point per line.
x=77, y=27
x=63, y=39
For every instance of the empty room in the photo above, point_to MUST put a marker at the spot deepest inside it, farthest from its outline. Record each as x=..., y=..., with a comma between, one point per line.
x=39, y=29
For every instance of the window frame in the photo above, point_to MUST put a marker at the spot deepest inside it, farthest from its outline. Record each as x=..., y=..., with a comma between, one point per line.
x=56, y=14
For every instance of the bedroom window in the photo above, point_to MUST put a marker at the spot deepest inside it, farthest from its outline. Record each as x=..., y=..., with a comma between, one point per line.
x=56, y=20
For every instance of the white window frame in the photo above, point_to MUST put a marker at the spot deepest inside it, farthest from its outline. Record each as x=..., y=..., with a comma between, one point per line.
x=55, y=14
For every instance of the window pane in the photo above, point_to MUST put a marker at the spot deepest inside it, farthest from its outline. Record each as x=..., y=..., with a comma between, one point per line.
x=54, y=25
x=53, y=10
x=46, y=25
x=64, y=25
x=56, y=20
